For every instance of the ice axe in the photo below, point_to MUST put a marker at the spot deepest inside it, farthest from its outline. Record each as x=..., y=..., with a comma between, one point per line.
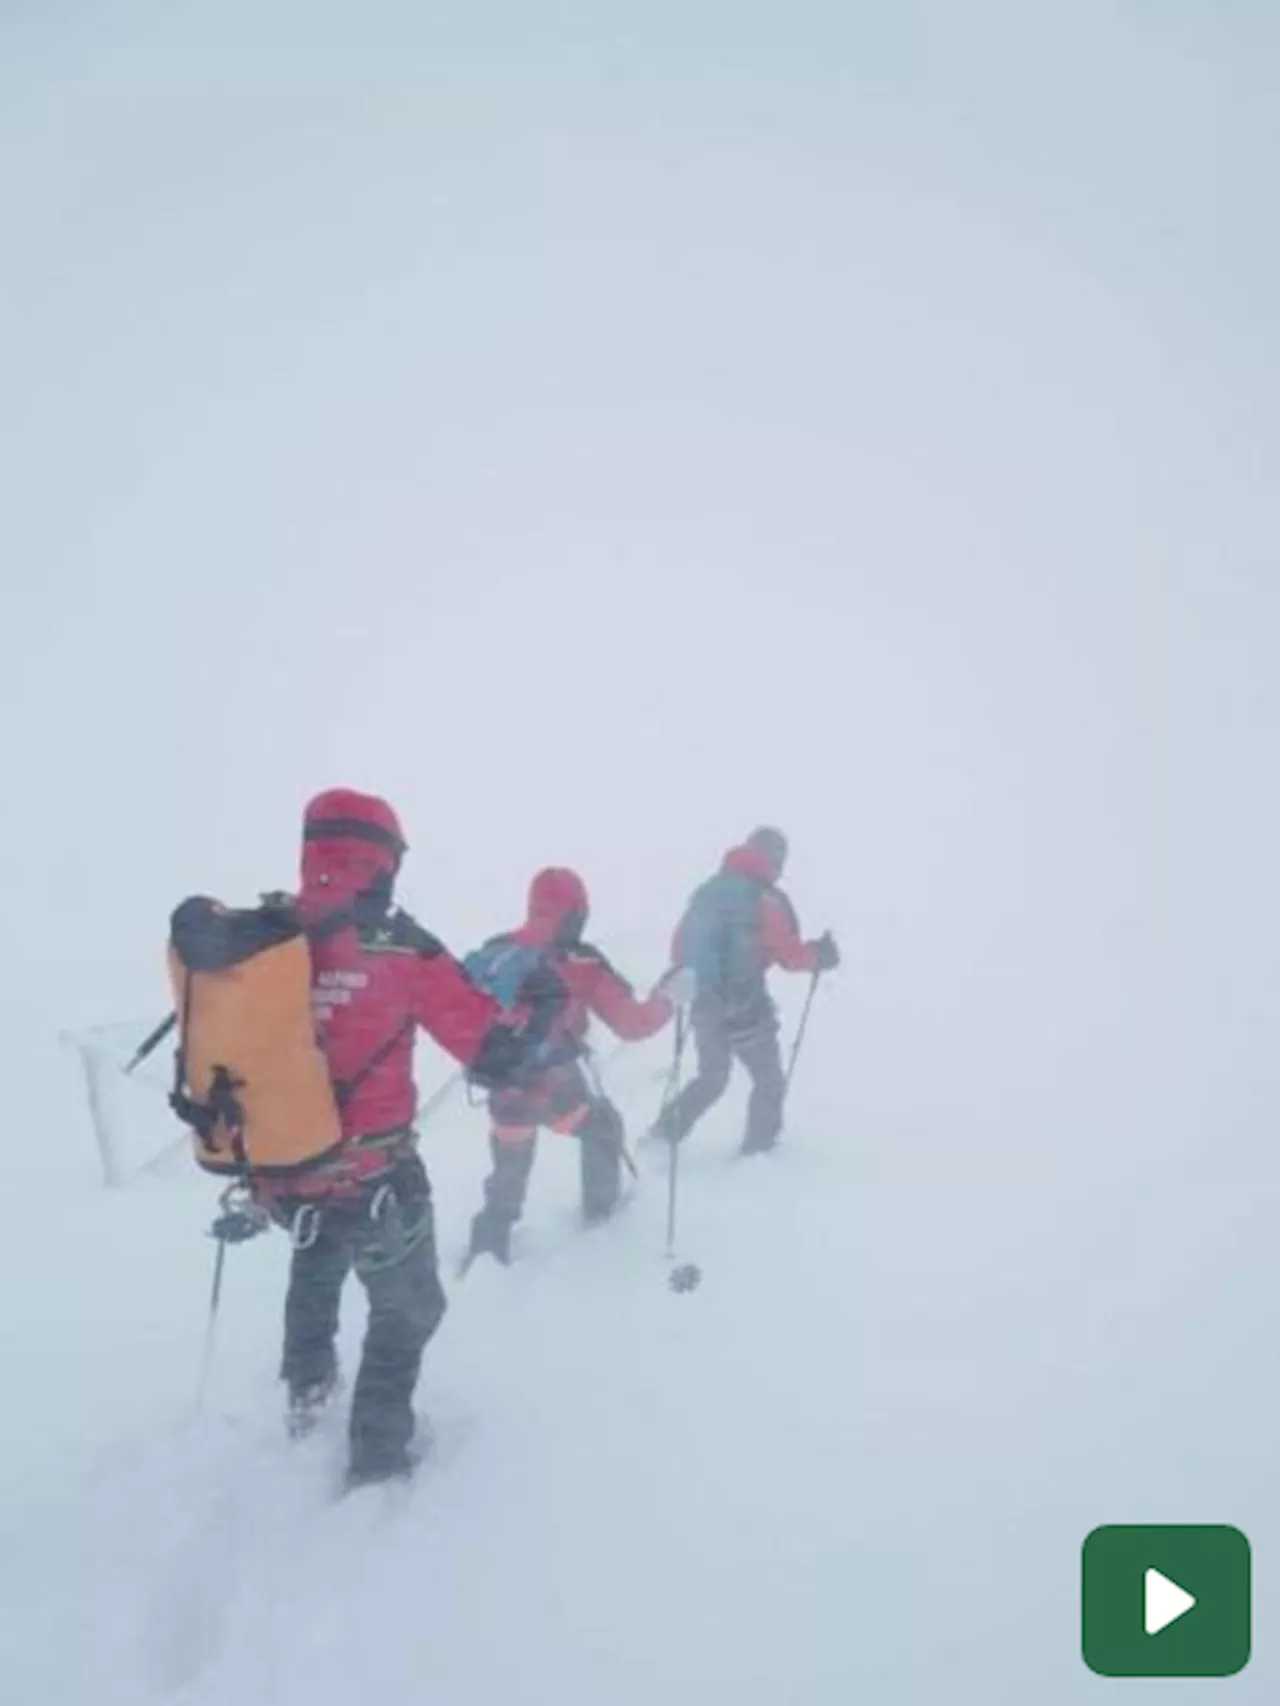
x=151, y=1043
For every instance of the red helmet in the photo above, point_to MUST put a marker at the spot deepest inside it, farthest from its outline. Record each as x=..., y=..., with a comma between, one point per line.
x=341, y=814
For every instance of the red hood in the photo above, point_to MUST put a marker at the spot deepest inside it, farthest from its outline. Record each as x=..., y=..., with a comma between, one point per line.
x=556, y=897
x=751, y=862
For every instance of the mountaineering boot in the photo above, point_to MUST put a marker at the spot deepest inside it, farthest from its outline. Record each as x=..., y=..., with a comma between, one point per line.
x=372, y=1468
x=758, y=1146
x=307, y=1405
x=372, y=1472
x=490, y=1237
x=601, y=1137
x=664, y=1129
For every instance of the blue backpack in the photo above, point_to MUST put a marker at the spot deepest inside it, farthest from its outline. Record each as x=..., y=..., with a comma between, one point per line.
x=720, y=936
x=500, y=968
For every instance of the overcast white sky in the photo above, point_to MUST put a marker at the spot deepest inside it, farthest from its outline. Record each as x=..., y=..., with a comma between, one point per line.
x=603, y=428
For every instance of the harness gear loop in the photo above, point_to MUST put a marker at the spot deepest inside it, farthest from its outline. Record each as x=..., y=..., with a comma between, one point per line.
x=304, y=1228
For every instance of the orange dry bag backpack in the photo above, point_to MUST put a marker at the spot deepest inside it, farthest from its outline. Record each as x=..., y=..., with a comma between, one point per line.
x=251, y=1080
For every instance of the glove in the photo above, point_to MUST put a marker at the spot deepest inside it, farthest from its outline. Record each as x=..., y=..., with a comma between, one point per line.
x=828, y=954
x=679, y=986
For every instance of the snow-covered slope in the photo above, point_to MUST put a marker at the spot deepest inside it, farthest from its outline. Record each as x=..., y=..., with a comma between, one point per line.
x=858, y=1460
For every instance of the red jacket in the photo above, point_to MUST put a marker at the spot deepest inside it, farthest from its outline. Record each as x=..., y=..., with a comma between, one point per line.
x=590, y=985
x=780, y=941
x=373, y=986
x=377, y=976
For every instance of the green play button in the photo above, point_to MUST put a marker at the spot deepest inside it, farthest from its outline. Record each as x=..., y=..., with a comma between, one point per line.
x=1166, y=1601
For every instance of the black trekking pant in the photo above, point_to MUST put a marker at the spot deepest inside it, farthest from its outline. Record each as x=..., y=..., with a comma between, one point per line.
x=387, y=1235
x=720, y=1037
x=565, y=1102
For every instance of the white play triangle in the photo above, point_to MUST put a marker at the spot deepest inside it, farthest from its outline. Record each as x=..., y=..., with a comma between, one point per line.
x=1166, y=1602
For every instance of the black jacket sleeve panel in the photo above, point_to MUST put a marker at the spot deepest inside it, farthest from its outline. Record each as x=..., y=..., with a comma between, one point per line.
x=406, y=932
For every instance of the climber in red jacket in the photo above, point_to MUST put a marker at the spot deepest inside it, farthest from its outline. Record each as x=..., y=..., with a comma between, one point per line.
x=377, y=978
x=562, y=1096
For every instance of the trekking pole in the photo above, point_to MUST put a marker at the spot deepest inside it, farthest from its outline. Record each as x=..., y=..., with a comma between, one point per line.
x=215, y=1297
x=673, y=1170
x=685, y=1276
x=597, y=1083
x=438, y=1096
x=804, y=1020
x=673, y=1178
x=239, y=1220
x=628, y=1160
